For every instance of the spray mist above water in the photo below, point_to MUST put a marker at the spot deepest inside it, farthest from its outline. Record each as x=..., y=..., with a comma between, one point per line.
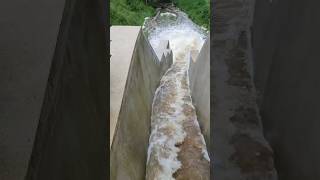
x=183, y=35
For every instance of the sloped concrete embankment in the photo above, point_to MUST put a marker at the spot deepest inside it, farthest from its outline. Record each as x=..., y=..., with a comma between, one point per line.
x=199, y=77
x=239, y=147
x=128, y=154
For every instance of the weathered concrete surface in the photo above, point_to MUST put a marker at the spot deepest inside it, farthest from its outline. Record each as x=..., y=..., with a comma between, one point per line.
x=199, y=77
x=286, y=56
x=71, y=139
x=28, y=36
x=239, y=148
x=129, y=147
x=122, y=44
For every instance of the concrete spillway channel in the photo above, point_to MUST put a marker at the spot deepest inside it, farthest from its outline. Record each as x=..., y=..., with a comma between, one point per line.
x=177, y=149
x=158, y=134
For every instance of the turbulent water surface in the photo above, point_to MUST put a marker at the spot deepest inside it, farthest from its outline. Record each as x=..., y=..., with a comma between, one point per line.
x=177, y=149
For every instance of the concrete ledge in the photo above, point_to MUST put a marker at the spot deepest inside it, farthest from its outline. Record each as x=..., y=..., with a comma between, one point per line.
x=123, y=40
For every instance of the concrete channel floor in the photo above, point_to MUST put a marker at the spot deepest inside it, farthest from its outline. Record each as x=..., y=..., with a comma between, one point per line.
x=123, y=39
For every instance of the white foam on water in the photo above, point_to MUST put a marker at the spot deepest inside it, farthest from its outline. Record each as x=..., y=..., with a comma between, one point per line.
x=183, y=36
x=168, y=14
x=163, y=144
x=182, y=39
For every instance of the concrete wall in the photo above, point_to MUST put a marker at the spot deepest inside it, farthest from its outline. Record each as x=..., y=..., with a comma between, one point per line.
x=55, y=80
x=122, y=43
x=129, y=147
x=165, y=55
x=286, y=55
x=240, y=151
x=199, y=79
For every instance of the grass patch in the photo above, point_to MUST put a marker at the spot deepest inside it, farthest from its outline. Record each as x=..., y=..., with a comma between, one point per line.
x=197, y=10
x=129, y=12
x=133, y=12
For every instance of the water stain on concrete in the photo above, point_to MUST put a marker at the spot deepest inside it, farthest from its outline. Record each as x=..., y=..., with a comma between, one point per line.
x=237, y=66
x=245, y=116
x=251, y=156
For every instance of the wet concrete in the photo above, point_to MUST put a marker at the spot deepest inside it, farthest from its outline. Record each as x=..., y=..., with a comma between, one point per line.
x=239, y=148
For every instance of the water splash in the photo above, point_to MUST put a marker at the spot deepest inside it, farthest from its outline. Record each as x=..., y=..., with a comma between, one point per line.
x=172, y=108
x=176, y=27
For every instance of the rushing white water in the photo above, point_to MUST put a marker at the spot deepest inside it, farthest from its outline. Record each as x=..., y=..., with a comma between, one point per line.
x=172, y=98
x=181, y=32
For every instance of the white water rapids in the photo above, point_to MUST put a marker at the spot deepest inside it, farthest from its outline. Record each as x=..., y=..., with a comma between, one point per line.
x=175, y=132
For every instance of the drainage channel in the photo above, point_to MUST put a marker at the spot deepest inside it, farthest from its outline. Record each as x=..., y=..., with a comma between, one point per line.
x=177, y=149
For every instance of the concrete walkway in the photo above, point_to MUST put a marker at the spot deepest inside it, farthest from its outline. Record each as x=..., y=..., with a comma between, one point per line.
x=122, y=43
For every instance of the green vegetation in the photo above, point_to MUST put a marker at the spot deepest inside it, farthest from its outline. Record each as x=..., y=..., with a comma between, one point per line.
x=133, y=12
x=129, y=12
x=197, y=10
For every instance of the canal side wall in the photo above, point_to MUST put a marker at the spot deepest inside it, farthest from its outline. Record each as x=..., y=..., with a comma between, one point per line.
x=130, y=142
x=199, y=80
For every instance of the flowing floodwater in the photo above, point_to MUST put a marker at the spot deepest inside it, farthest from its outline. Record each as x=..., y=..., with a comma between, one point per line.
x=177, y=149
